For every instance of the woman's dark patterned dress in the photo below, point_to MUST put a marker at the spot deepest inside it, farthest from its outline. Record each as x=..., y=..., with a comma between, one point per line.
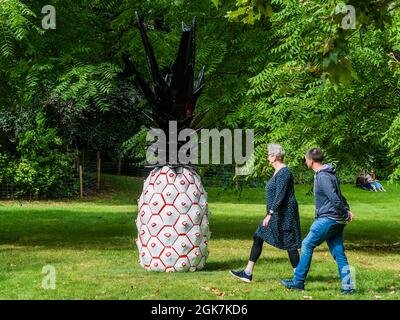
x=283, y=230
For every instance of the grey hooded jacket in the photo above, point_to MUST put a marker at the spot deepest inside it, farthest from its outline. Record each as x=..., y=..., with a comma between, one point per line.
x=329, y=201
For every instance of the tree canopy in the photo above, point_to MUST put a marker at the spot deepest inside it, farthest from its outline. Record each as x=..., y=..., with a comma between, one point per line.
x=300, y=73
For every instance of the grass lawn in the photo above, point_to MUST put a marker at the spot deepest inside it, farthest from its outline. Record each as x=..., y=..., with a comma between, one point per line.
x=90, y=244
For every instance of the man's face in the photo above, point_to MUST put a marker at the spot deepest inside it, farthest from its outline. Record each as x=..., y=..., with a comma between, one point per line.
x=309, y=162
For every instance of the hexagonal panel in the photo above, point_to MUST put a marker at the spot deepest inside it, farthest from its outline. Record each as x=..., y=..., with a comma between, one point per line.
x=157, y=265
x=144, y=235
x=145, y=256
x=169, y=193
x=156, y=203
x=203, y=200
x=193, y=193
x=197, y=182
x=204, y=247
x=195, y=256
x=165, y=169
x=195, y=235
x=144, y=213
x=182, y=203
x=183, y=224
x=170, y=269
x=167, y=236
x=155, y=247
x=155, y=224
x=204, y=225
x=160, y=183
x=171, y=176
x=154, y=174
x=206, y=234
x=182, y=264
x=169, y=215
x=182, y=245
x=204, y=209
x=169, y=257
x=189, y=175
x=195, y=213
x=181, y=183
x=202, y=263
x=148, y=193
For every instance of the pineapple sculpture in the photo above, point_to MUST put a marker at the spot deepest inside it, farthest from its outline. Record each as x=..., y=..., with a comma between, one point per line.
x=173, y=216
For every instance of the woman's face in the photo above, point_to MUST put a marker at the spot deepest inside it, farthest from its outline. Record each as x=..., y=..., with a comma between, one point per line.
x=271, y=159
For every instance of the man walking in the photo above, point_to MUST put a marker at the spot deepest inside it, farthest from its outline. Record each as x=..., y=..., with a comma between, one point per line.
x=331, y=214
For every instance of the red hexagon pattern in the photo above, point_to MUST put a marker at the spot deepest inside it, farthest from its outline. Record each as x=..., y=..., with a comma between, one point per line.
x=173, y=221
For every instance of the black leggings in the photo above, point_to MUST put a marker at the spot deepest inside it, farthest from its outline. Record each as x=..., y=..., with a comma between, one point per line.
x=257, y=248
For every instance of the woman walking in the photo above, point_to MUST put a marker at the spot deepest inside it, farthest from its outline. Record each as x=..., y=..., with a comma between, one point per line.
x=281, y=225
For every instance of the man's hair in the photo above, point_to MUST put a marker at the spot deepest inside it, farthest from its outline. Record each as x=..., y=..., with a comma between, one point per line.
x=315, y=154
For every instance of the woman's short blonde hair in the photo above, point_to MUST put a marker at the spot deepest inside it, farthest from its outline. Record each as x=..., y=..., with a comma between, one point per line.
x=276, y=150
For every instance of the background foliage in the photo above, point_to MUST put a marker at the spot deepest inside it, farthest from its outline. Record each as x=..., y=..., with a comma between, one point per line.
x=286, y=68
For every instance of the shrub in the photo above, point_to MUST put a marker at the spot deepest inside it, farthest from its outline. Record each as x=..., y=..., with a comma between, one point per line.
x=43, y=168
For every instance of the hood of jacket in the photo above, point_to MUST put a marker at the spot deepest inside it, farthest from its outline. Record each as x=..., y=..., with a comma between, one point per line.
x=329, y=168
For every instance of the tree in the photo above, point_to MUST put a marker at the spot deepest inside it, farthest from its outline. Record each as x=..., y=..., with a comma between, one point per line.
x=324, y=85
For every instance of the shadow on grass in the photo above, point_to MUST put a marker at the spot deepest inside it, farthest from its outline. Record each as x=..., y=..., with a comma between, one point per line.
x=239, y=264
x=334, y=277
x=68, y=228
x=365, y=236
x=225, y=265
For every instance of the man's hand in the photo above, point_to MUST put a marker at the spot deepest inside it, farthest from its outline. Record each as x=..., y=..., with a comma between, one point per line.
x=350, y=217
x=266, y=221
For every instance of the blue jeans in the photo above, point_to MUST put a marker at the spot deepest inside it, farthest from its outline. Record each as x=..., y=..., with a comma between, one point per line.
x=324, y=229
x=377, y=185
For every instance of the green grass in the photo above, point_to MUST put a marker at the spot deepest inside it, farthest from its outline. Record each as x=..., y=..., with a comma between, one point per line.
x=90, y=244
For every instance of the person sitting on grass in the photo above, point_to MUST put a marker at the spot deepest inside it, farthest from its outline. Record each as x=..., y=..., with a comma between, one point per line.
x=281, y=225
x=371, y=178
x=331, y=214
x=362, y=182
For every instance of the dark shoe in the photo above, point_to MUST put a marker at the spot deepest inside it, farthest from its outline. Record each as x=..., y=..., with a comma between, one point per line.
x=241, y=275
x=289, y=284
x=348, y=291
